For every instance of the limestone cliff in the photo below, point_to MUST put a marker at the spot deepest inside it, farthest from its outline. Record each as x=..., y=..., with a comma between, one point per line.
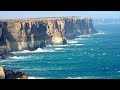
x=75, y=26
x=23, y=34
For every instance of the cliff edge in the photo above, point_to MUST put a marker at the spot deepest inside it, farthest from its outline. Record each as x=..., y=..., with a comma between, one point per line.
x=33, y=33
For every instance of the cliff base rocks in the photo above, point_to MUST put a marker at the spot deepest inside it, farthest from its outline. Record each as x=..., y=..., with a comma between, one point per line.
x=9, y=74
x=4, y=56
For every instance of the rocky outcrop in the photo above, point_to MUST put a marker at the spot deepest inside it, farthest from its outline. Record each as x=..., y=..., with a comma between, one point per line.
x=4, y=52
x=4, y=56
x=30, y=34
x=9, y=74
x=2, y=74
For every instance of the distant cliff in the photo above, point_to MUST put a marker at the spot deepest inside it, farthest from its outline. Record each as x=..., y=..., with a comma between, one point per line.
x=30, y=34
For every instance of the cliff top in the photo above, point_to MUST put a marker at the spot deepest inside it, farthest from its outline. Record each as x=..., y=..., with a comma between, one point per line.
x=43, y=18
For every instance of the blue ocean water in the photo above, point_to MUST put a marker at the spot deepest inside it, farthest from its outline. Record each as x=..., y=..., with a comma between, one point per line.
x=86, y=57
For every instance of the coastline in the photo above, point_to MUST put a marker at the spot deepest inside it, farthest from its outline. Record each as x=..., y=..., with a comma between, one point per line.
x=33, y=35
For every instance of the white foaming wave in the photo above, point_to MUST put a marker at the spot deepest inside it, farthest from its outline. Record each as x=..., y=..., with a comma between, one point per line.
x=74, y=78
x=59, y=48
x=47, y=49
x=57, y=45
x=24, y=51
x=99, y=33
x=84, y=35
x=37, y=69
x=38, y=50
x=85, y=77
x=43, y=50
x=15, y=58
x=71, y=41
x=32, y=77
x=118, y=71
x=91, y=49
x=78, y=44
x=102, y=23
x=79, y=38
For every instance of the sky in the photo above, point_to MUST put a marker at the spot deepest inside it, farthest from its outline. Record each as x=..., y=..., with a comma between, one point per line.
x=37, y=14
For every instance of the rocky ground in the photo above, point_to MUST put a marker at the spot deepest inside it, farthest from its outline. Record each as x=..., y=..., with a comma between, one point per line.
x=30, y=34
x=9, y=74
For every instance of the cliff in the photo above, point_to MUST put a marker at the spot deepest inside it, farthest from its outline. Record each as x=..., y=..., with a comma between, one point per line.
x=30, y=34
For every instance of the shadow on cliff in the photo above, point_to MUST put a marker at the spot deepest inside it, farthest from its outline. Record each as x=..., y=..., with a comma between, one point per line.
x=40, y=35
x=2, y=35
x=42, y=29
x=10, y=38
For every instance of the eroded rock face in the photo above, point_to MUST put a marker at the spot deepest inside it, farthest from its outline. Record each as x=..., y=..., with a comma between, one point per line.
x=30, y=34
x=78, y=26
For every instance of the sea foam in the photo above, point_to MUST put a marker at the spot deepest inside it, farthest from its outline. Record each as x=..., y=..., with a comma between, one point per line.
x=15, y=58
x=78, y=44
x=99, y=33
x=71, y=41
x=38, y=50
x=59, y=48
x=74, y=78
x=32, y=77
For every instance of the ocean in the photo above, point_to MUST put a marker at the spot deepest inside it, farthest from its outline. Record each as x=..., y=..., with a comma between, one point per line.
x=94, y=56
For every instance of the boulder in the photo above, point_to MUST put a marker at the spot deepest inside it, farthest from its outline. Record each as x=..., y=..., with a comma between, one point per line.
x=4, y=56
x=64, y=41
x=9, y=74
x=9, y=55
x=2, y=74
x=21, y=75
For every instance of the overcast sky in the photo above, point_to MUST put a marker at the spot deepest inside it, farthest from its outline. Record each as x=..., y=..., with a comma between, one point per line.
x=35, y=14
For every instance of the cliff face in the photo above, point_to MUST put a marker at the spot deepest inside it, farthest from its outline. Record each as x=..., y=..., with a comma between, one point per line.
x=78, y=26
x=23, y=34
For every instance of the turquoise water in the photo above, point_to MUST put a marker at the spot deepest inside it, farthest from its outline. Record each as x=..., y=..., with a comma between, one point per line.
x=86, y=57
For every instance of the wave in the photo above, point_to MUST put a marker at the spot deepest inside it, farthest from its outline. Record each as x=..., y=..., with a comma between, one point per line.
x=99, y=33
x=24, y=51
x=32, y=69
x=84, y=36
x=57, y=45
x=15, y=58
x=118, y=71
x=59, y=48
x=105, y=23
x=38, y=50
x=74, y=78
x=72, y=42
x=78, y=44
x=85, y=77
x=47, y=49
x=32, y=77
x=43, y=50
x=78, y=38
